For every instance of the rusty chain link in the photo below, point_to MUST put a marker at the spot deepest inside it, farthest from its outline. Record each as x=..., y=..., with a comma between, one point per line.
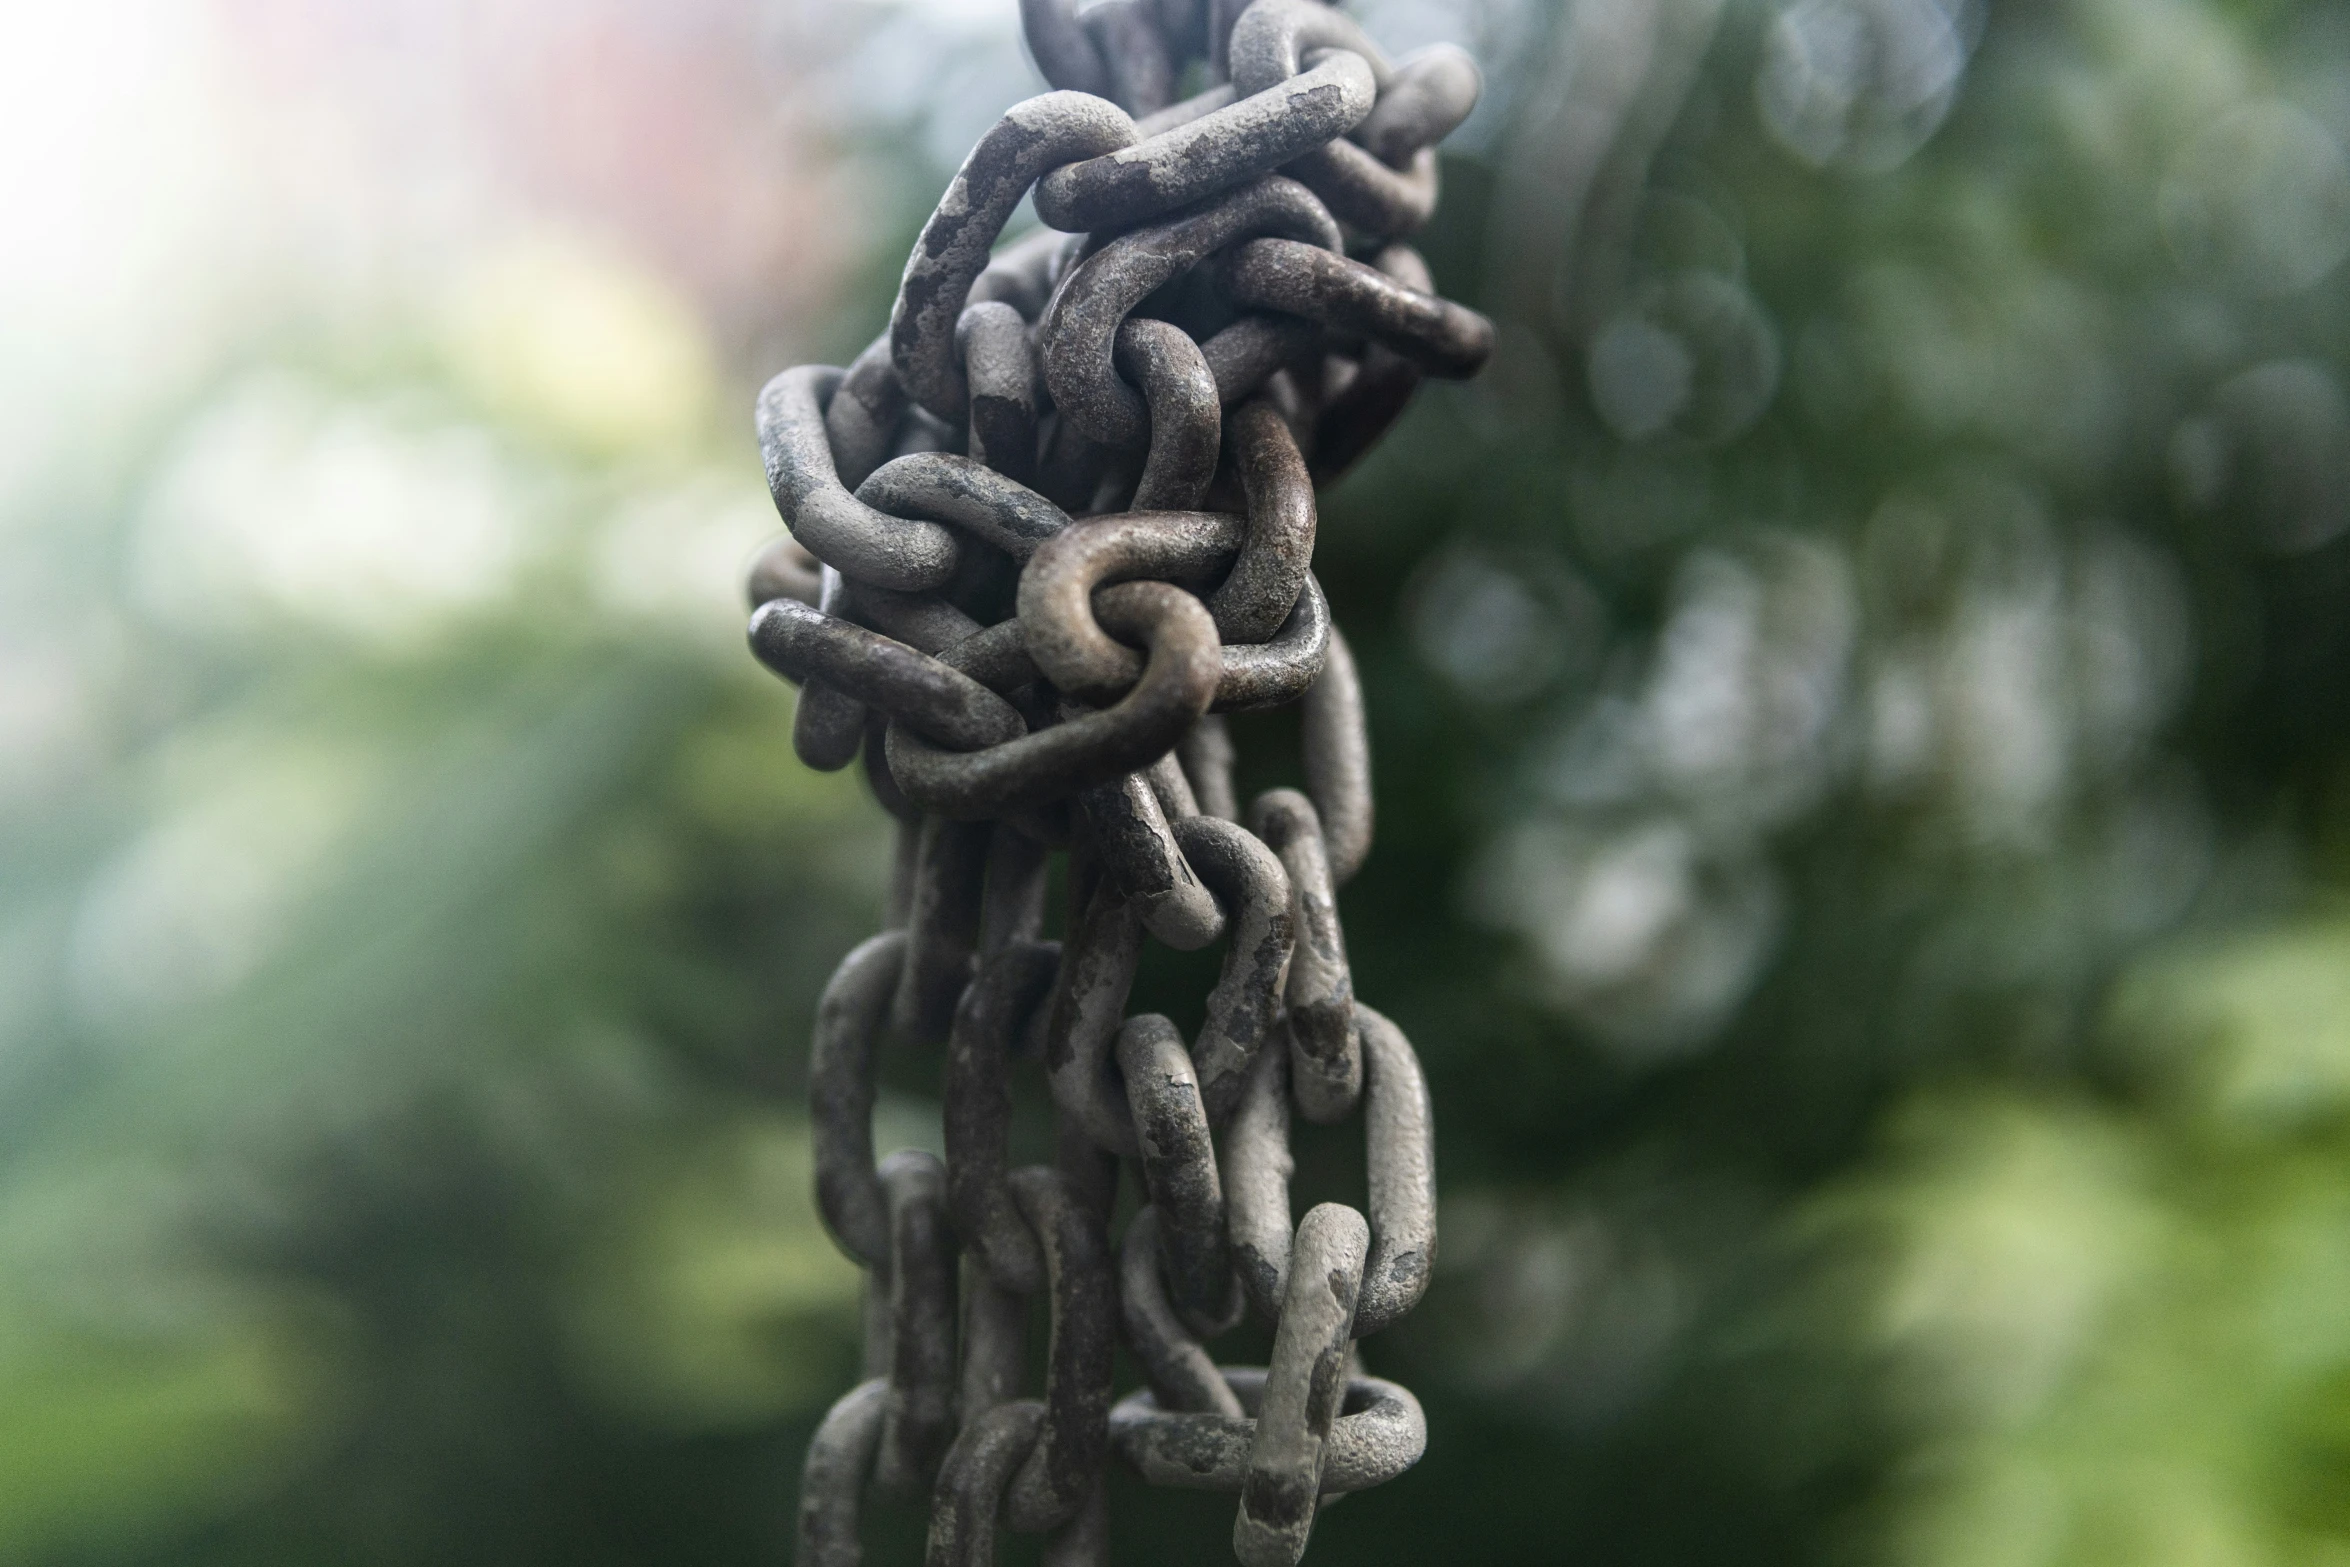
x=1043, y=532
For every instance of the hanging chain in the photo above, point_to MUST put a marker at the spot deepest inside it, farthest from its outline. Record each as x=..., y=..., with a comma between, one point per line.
x=1044, y=532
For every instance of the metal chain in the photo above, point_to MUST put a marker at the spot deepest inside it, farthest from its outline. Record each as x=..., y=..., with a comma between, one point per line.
x=1044, y=532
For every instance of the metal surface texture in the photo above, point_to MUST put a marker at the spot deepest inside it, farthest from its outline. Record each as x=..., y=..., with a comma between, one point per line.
x=1042, y=533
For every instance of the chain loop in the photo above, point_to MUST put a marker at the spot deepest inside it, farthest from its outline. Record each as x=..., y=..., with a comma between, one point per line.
x=1303, y=1386
x=1179, y=1168
x=1236, y=140
x=1326, y=1059
x=979, y=1111
x=1044, y=532
x=1081, y=320
x=1379, y=1433
x=917, y=1419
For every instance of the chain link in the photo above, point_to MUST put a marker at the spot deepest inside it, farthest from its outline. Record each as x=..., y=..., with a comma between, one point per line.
x=1043, y=532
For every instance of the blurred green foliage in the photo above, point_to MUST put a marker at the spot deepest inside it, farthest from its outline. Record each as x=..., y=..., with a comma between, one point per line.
x=1859, y=691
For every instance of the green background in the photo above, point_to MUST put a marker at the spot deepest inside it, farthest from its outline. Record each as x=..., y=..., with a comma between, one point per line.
x=1859, y=692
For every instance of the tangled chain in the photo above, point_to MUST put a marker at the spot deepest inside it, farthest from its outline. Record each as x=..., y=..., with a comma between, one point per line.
x=1217, y=316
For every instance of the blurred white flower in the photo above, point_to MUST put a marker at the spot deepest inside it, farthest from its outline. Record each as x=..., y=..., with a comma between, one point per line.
x=1749, y=678
x=570, y=340
x=368, y=518
x=2011, y=671
x=1859, y=84
x=196, y=904
x=2273, y=449
x=1643, y=934
x=2001, y=692
x=679, y=552
x=52, y=700
x=1691, y=355
x=1734, y=717
x=2024, y=359
x=1504, y=629
x=2131, y=655
x=1572, y=1312
x=2261, y=198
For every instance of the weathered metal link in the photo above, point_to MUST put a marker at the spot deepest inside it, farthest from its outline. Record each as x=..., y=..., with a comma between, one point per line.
x=886, y=792
x=1271, y=39
x=1186, y=419
x=918, y=1416
x=1179, y=1168
x=1040, y=134
x=1222, y=14
x=1434, y=90
x=1206, y=754
x=1172, y=789
x=1278, y=549
x=996, y=656
x=1399, y=1136
x=1089, y=1000
x=999, y=367
x=1244, y=355
x=832, y=1477
x=1011, y=908
x=1304, y=1384
x=1140, y=63
x=1281, y=671
x=841, y=1059
x=1337, y=749
x=1058, y=605
x=1009, y=988
x=1084, y=1541
x=1221, y=148
x=1257, y=1166
x=784, y=570
x=1361, y=190
x=925, y=623
x=942, y=926
x=1054, y=1481
x=1178, y=682
x=1358, y=300
x=833, y=525
x=1063, y=52
x=1366, y=194
x=1350, y=423
x=1248, y=880
x=1185, y=110
x=1077, y=332
x=1092, y=1171
x=924, y=431
x=942, y=487
x=994, y=1346
x=1178, y=1368
x=1023, y=272
x=802, y=643
x=1326, y=1059
x=1399, y=1160
x=868, y=408
x=828, y=724
x=971, y=1482
x=1380, y=1432
x=1139, y=855
x=1042, y=534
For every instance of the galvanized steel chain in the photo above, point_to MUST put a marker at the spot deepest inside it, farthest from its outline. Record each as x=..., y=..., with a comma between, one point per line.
x=1045, y=531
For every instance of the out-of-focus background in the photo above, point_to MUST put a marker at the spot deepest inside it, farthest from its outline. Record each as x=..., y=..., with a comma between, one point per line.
x=1861, y=691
